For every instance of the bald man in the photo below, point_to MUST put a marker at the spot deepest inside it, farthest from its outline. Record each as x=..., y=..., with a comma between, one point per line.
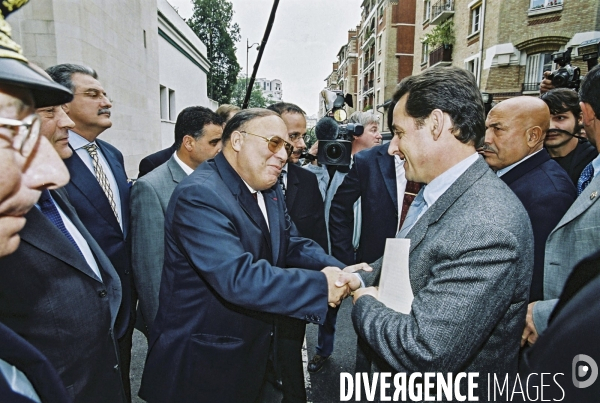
x=514, y=140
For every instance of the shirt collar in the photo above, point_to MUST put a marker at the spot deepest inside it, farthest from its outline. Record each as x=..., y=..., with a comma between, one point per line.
x=285, y=168
x=439, y=185
x=77, y=142
x=504, y=170
x=186, y=168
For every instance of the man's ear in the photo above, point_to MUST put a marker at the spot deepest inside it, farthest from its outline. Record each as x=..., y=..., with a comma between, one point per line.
x=437, y=122
x=188, y=142
x=534, y=136
x=587, y=113
x=236, y=140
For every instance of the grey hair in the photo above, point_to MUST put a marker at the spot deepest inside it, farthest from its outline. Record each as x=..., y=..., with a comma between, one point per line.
x=63, y=73
x=364, y=118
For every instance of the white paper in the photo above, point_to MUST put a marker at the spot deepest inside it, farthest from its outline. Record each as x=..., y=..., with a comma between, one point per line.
x=394, y=286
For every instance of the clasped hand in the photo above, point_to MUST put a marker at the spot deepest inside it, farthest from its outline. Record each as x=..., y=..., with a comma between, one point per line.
x=342, y=282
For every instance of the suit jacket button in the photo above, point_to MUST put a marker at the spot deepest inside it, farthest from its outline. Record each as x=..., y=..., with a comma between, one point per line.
x=318, y=319
x=126, y=272
x=102, y=293
x=116, y=367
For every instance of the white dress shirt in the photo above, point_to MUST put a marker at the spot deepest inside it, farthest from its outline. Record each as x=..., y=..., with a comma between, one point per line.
x=504, y=170
x=186, y=168
x=18, y=381
x=261, y=203
x=400, y=184
x=78, y=142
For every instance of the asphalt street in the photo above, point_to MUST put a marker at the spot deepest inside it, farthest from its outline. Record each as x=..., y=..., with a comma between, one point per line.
x=322, y=387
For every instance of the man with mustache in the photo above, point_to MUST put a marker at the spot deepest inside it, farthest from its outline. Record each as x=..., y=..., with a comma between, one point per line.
x=571, y=152
x=513, y=147
x=98, y=189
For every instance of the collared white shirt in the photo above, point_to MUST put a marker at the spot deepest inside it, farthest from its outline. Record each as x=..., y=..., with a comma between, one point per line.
x=261, y=202
x=79, y=240
x=78, y=142
x=401, y=182
x=504, y=170
x=18, y=381
x=186, y=168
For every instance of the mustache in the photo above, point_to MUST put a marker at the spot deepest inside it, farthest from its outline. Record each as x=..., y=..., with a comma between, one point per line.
x=104, y=110
x=487, y=147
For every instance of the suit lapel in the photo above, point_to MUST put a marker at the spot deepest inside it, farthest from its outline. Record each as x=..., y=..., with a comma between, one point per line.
x=292, y=187
x=388, y=172
x=177, y=173
x=118, y=172
x=42, y=234
x=271, y=202
x=525, y=167
x=586, y=199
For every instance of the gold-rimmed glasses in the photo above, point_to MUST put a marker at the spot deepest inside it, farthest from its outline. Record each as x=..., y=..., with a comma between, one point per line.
x=274, y=143
x=96, y=95
x=27, y=132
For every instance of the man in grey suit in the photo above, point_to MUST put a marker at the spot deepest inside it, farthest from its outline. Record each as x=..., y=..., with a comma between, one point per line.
x=576, y=236
x=471, y=251
x=198, y=132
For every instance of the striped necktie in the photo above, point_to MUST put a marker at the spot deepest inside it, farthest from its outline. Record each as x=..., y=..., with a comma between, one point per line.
x=92, y=149
x=418, y=206
x=412, y=188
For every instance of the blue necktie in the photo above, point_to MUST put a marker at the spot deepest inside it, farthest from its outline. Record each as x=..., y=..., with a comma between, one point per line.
x=417, y=206
x=586, y=177
x=49, y=209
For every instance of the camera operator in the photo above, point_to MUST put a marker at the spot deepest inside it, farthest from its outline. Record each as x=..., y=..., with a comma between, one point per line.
x=564, y=145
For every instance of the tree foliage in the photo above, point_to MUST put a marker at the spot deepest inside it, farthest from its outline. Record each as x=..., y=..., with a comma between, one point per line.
x=211, y=21
x=257, y=99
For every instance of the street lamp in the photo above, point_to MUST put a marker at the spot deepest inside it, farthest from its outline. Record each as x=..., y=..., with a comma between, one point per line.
x=247, y=50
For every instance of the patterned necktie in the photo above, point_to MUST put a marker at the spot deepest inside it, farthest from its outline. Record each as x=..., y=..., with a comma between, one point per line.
x=412, y=188
x=586, y=177
x=92, y=149
x=48, y=208
x=281, y=182
x=418, y=205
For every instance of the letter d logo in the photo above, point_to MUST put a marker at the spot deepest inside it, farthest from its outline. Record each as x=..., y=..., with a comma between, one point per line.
x=581, y=371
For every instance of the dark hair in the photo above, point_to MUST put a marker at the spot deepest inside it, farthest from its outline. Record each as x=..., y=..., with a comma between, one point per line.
x=590, y=90
x=241, y=118
x=63, y=73
x=452, y=90
x=285, y=107
x=191, y=122
x=561, y=100
x=224, y=110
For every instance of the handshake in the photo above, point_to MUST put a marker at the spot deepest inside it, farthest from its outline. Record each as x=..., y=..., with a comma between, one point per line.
x=342, y=282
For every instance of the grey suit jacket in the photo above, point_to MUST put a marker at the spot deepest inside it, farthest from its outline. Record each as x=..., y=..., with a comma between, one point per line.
x=576, y=236
x=471, y=259
x=149, y=199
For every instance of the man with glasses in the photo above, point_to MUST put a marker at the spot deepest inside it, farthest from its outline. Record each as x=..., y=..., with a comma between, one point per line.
x=231, y=266
x=98, y=189
x=59, y=268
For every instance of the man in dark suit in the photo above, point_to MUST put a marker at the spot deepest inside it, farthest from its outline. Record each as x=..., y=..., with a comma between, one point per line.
x=28, y=165
x=148, y=163
x=60, y=292
x=513, y=148
x=228, y=238
x=471, y=244
x=306, y=209
x=98, y=189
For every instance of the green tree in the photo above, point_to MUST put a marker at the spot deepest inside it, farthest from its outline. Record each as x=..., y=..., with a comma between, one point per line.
x=257, y=99
x=211, y=21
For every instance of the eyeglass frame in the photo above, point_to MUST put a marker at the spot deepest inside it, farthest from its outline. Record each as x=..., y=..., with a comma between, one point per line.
x=24, y=140
x=99, y=95
x=289, y=147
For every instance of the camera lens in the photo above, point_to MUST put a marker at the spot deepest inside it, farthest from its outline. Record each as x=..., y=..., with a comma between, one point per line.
x=560, y=78
x=334, y=151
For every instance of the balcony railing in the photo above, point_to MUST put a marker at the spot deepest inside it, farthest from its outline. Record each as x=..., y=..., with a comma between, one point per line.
x=441, y=55
x=368, y=86
x=530, y=87
x=368, y=61
x=441, y=11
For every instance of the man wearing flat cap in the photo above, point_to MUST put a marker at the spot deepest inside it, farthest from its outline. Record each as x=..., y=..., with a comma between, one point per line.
x=59, y=294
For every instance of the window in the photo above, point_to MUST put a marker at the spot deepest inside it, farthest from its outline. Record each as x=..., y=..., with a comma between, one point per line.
x=379, y=70
x=172, y=110
x=475, y=19
x=534, y=70
x=424, y=53
x=426, y=10
x=379, y=43
x=378, y=92
x=472, y=64
x=539, y=4
x=167, y=104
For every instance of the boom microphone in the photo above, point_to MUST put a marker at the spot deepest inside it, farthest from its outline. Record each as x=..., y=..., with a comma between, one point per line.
x=326, y=129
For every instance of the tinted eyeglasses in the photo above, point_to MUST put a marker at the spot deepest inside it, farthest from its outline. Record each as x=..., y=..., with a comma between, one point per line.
x=27, y=132
x=275, y=143
x=96, y=95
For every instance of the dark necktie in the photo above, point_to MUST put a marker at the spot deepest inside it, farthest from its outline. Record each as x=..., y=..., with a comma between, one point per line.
x=281, y=182
x=585, y=178
x=412, y=188
x=49, y=209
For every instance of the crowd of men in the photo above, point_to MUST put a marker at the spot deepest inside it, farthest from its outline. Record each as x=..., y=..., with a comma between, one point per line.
x=228, y=245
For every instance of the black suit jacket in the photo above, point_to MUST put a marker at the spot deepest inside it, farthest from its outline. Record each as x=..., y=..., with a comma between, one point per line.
x=51, y=297
x=148, y=163
x=16, y=351
x=576, y=161
x=305, y=204
x=547, y=192
x=94, y=210
x=372, y=177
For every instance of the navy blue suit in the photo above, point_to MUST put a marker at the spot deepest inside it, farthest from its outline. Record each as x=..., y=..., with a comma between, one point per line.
x=221, y=286
x=372, y=177
x=546, y=192
x=18, y=352
x=148, y=163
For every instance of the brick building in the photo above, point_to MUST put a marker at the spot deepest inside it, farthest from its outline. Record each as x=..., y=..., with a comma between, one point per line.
x=506, y=44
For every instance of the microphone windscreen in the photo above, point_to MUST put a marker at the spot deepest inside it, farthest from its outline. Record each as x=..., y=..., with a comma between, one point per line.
x=326, y=129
